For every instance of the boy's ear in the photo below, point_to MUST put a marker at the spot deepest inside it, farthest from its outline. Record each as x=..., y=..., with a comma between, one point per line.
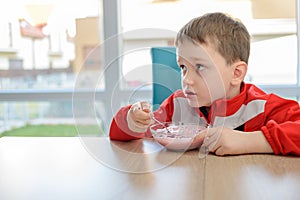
x=239, y=72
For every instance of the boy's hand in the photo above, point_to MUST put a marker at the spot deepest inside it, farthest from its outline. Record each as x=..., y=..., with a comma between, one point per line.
x=225, y=141
x=138, y=117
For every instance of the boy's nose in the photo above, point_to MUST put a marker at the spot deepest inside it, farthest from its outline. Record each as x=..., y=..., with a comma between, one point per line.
x=187, y=78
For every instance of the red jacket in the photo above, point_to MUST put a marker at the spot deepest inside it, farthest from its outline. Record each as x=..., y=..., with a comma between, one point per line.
x=252, y=109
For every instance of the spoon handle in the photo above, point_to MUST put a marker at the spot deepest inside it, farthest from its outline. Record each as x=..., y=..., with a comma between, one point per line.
x=159, y=122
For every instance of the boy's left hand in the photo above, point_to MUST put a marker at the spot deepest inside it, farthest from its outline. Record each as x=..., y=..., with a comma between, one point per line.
x=225, y=141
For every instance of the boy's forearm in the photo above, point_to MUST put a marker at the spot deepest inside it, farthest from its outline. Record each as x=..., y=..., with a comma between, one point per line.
x=257, y=143
x=119, y=129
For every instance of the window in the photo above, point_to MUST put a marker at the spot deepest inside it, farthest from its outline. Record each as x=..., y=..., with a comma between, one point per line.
x=97, y=55
x=46, y=48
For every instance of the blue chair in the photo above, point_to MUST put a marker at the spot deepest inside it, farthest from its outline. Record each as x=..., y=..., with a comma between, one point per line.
x=165, y=72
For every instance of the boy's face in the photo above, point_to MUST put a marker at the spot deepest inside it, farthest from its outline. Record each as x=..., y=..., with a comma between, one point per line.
x=205, y=75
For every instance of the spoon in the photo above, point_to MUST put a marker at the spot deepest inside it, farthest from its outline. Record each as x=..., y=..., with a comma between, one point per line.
x=159, y=122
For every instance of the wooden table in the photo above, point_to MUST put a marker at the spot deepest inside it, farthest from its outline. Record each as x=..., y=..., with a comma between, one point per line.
x=87, y=168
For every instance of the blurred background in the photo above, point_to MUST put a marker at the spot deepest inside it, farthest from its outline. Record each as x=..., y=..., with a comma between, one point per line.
x=51, y=48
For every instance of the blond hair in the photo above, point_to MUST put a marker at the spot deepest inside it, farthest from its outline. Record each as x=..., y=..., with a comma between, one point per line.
x=227, y=35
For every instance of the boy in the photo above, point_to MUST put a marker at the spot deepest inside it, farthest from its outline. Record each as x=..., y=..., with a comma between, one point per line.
x=212, y=52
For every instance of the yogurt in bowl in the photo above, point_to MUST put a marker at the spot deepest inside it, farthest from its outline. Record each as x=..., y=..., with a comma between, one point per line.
x=176, y=136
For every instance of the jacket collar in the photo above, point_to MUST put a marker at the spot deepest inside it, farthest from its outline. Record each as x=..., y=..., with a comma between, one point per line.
x=226, y=107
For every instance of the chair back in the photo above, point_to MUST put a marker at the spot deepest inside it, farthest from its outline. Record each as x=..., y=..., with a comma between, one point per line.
x=165, y=72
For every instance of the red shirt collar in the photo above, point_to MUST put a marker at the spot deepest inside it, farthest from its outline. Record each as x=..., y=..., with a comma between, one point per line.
x=226, y=107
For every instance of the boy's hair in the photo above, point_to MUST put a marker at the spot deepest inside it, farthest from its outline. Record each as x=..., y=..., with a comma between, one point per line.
x=227, y=35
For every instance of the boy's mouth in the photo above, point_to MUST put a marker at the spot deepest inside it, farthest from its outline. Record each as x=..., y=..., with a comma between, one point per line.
x=189, y=93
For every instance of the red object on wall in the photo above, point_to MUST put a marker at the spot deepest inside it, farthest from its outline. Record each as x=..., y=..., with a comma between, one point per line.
x=31, y=31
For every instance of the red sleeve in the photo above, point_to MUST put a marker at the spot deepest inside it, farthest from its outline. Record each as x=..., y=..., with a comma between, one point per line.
x=165, y=112
x=282, y=129
x=119, y=129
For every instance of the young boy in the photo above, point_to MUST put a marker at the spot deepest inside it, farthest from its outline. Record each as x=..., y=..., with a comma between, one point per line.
x=212, y=52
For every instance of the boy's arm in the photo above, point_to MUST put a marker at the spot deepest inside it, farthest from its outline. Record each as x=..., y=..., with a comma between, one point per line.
x=225, y=141
x=119, y=129
x=284, y=138
x=238, y=142
x=282, y=127
x=281, y=132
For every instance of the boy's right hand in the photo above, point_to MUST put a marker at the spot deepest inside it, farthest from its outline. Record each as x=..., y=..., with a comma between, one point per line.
x=138, y=117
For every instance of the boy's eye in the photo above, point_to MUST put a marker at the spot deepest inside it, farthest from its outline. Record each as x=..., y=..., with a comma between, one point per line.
x=182, y=67
x=199, y=67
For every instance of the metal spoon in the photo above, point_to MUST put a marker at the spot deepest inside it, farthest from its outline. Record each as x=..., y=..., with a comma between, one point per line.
x=159, y=122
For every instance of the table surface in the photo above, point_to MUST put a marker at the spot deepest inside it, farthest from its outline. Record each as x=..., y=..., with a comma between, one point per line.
x=63, y=168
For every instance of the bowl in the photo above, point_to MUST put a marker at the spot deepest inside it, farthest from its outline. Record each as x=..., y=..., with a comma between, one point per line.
x=176, y=136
